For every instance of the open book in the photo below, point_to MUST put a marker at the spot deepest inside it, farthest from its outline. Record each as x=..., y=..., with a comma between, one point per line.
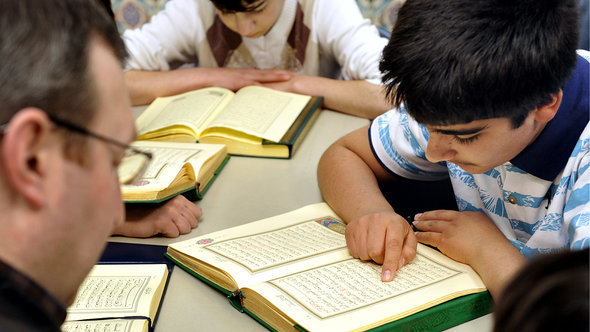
x=293, y=272
x=118, y=297
x=175, y=168
x=255, y=121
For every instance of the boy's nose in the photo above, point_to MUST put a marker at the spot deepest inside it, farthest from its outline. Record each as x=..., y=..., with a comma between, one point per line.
x=246, y=25
x=439, y=148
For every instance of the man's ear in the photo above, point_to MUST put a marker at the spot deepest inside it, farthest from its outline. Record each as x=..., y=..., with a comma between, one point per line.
x=26, y=152
x=546, y=112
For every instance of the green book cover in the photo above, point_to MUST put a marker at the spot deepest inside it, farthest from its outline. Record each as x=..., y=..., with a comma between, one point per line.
x=438, y=318
x=444, y=315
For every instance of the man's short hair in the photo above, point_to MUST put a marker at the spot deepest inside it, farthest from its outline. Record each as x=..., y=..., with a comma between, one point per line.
x=457, y=61
x=44, y=49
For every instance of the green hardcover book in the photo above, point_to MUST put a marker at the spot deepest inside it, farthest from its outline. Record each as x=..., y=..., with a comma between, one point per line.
x=254, y=121
x=175, y=168
x=293, y=272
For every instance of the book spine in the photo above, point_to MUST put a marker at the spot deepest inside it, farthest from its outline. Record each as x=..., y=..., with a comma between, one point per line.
x=201, y=191
x=236, y=300
x=309, y=114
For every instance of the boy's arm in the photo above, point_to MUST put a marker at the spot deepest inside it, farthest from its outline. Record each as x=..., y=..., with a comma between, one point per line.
x=348, y=176
x=355, y=97
x=172, y=218
x=144, y=86
x=472, y=238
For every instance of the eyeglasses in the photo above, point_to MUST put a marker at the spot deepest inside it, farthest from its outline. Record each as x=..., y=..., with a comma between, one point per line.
x=134, y=162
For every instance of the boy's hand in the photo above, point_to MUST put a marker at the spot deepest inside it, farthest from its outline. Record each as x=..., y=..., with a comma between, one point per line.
x=237, y=78
x=293, y=84
x=384, y=237
x=472, y=238
x=174, y=217
x=144, y=85
x=463, y=236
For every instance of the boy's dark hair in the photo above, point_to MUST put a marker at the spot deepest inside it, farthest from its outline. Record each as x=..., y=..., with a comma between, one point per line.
x=549, y=294
x=44, y=47
x=232, y=6
x=457, y=61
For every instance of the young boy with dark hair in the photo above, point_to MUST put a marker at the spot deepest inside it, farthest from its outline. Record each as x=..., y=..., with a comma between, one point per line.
x=492, y=95
x=312, y=47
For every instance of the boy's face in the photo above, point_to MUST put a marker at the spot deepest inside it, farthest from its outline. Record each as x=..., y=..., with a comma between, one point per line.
x=255, y=23
x=481, y=145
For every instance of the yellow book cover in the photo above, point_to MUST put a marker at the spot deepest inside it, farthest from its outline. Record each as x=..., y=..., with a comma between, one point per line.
x=254, y=121
x=175, y=168
x=118, y=297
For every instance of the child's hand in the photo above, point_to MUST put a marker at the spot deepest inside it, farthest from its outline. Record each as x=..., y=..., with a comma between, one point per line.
x=174, y=217
x=237, y=78
x=472, y=238
x=462, y=236
x=384, y=237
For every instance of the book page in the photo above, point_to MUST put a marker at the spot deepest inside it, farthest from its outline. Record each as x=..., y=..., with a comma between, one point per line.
x=108, y=325
x=349, y=295
x=261, y=112
x=270, y=248
x=168, y=159
x=194, y=109
x=118, y=290
x=352, y=284
x=282, y=246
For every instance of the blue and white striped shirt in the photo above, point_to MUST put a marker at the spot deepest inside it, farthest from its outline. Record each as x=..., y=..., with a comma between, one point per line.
x=540, y=200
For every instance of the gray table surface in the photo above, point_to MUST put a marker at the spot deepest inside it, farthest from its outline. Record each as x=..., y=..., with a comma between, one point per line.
x=249, y=189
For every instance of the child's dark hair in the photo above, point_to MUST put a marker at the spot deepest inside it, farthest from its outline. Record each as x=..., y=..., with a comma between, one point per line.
x=232, y=6
x=457, y=61
x=549, y=294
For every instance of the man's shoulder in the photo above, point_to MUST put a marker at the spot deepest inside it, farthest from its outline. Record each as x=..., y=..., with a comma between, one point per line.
x=19, y=312
x=23, y=323
x=25, y=306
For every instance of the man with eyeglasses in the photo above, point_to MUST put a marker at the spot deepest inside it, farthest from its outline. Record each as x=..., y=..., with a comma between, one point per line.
x=66, y=125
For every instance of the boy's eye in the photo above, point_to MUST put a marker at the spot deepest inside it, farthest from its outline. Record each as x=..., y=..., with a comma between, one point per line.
x=466, y=140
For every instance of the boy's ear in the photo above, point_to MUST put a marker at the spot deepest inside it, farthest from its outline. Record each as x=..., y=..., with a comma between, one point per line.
x=545, y=113
x=26, y=153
